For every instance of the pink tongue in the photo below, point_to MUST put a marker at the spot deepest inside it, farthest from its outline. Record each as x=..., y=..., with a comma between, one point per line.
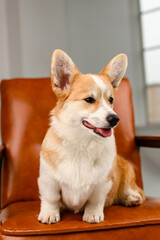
x=104, y=132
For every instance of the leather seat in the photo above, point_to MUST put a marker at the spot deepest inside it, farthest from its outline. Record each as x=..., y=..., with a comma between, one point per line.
x=26, y=104
x=13, y=223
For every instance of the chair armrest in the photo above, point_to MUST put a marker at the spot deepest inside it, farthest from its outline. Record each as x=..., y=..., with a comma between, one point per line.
x=2, y=148
x=148, y=141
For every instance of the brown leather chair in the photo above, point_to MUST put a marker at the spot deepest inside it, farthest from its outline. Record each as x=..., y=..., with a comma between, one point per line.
x=26, y=104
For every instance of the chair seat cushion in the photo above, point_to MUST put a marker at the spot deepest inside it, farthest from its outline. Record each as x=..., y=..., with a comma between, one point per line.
x=20, y=218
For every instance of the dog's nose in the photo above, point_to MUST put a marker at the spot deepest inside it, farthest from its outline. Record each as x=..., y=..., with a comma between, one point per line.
x=112, y=119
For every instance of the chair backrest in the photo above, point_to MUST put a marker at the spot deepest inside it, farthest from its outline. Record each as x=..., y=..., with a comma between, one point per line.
x=26, y=104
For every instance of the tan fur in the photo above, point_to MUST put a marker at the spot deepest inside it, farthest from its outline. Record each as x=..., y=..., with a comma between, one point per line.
x=111, y=73
x=80, y=89
x=48, y=150
x=123, y=177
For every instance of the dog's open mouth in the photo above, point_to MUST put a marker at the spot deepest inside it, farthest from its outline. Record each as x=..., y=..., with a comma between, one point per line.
x=104, y=132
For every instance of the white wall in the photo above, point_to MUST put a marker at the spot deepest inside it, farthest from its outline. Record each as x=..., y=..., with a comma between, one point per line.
x=32, y=35
x=43, y=28
x=90, y=31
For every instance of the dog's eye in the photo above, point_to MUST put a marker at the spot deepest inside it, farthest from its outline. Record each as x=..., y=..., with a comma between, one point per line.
x=89, y=100
x=111, y=100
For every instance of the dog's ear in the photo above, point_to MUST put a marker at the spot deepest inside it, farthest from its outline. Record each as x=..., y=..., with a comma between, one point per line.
x=116, y=69
x=63, y=71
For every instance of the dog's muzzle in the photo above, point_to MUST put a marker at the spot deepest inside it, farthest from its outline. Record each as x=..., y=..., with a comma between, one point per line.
x=112, y=119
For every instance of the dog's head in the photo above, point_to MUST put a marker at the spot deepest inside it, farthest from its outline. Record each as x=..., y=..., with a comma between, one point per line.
x=85, y=101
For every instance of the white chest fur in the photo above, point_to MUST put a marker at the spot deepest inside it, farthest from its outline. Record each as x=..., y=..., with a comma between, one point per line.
x=79, y=169
x=85, y=165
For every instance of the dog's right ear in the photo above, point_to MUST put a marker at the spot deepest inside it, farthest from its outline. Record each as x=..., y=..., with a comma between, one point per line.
x=63, y=71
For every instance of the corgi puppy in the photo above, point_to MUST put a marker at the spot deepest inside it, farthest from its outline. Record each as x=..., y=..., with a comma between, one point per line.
x=79, y=166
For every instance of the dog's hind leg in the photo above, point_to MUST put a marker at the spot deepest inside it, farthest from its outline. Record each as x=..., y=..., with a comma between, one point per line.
x=131, y=194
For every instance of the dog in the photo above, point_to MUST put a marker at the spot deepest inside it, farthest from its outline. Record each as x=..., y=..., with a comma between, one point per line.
x=79, y=166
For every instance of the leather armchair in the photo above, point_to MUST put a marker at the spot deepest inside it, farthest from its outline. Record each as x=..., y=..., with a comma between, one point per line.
x=26, y=104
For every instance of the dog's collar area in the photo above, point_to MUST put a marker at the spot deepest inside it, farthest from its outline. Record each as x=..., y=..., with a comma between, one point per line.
x=103, y=132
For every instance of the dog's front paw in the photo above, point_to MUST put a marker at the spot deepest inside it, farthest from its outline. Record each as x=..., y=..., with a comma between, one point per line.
x=93, y=217
x=49, y=217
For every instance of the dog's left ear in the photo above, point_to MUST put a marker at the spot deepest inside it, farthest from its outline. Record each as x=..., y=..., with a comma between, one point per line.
x=116, y=69
x=63, y=71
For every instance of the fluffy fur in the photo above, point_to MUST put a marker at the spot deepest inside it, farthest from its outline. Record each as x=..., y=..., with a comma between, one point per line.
x=79, y=165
